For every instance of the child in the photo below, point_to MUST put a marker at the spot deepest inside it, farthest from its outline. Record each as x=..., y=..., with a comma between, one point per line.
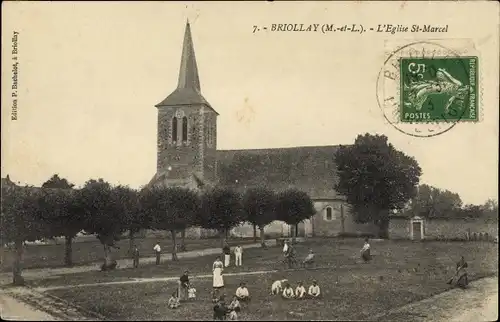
x=300, y=291
x=233, y=316
x=191, y=293
x=309, y=260
x=215, y=296
x=234, y=306
x=277, y=286
x=314, y=290
x=288, y=292
x=242, y=293
x=173, y=302
x=365, y=251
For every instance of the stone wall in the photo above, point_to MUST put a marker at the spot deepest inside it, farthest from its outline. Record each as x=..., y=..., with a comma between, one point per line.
x=399, y=228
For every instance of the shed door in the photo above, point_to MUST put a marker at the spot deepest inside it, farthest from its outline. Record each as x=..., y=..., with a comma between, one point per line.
x=417, y=230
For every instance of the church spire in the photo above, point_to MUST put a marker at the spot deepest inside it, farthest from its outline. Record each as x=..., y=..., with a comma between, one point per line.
x=188, y=91
x=188, y=73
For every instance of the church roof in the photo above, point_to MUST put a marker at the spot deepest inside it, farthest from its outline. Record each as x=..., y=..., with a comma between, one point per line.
x=188, y=91
x=311, y=169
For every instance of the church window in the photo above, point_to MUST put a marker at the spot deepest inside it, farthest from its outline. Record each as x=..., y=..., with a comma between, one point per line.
x=184, y=129
x=209, y=136
x=329, y=214
x=174, y=130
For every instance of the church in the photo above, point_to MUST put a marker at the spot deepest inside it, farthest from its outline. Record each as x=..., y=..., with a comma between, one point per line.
x=187, y=156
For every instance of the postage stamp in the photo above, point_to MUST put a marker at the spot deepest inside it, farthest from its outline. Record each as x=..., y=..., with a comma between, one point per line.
x=438, y=89
x=425, y=88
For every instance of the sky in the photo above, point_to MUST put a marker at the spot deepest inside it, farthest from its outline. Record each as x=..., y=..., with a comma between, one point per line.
x=90, y=74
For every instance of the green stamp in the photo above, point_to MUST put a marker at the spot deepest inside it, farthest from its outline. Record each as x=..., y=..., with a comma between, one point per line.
x=438, y=89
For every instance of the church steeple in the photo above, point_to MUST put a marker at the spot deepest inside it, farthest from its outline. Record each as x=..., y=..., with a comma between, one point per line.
x=188, y=73
x=188, y=91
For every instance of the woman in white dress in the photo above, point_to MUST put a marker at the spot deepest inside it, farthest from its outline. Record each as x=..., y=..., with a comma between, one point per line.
x=218, y=267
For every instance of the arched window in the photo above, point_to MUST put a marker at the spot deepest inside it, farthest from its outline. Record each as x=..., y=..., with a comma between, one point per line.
x=174, y=129
x=209, y=134
x=184, y=129
x=329, y=213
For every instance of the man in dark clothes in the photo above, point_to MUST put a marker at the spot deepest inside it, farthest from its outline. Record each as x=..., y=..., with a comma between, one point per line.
x=135, y=254
x=157, y=250
x=184, y=286
x=220, y=309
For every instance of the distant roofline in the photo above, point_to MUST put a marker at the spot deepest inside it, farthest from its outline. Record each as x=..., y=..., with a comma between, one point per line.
x=285, y=148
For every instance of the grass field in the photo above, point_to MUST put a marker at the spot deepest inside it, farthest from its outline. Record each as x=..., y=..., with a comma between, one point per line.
x=41, y=256
x=401, y=272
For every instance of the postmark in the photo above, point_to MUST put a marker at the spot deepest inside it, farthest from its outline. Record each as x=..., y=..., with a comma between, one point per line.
x=425, y=89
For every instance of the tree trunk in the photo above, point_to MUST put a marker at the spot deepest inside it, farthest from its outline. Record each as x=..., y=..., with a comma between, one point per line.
x=262, y=237
x=108, y=258
x=131, y=241
x=255, y=233
x=383, y=225
x=223, y=237
x=16, y=268
x=342, y=220
x=68, y=251
x=183, y=240
x=174, y=246
x=294, y=233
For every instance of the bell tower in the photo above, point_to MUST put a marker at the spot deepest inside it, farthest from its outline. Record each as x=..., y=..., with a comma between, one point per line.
x=187, y=129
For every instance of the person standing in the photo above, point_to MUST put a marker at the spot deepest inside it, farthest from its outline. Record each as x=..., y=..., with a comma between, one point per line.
x=183, y=286
x=157, y=250
x=365, y=251
x=135, y=254
x=238, y=253
x=217, y=269
x=460, y=278
x=285, y=248
x=227, y=255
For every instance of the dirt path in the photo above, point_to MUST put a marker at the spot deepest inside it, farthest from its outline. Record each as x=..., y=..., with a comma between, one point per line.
x=12, y=309
x=41, y=273
x=477, y=303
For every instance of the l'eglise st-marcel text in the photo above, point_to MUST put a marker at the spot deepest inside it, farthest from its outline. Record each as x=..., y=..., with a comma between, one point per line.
x=414, y=28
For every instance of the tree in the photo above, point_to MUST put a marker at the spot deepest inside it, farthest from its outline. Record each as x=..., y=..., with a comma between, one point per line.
x=221, y=209
x=294, y=206
x=59, y=212
x=103, y=214
x=259, y=205
x=491, y=205
x=18, y=222
x=129, y=209
x=170, y=209
x=432, y=202
x=376, y=179
x=490, y=210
